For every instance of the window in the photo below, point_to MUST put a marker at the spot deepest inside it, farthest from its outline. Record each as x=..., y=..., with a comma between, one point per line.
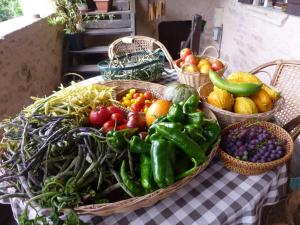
x=9, y=9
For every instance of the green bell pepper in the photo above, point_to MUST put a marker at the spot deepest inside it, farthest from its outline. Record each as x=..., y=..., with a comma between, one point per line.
x=133, y=187
x=116, y=140
x=195, y=132
x=184, y=142
x=190, y=104
x=211, y=131
x=139, y=146
x=147, y=179
x=161, y=164
x=188, y=172
x=195, y=118
x=175, y=113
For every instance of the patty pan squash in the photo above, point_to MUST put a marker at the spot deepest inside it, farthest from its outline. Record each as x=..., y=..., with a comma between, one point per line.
x=244, y=105
x=262, y=101
x=221, y=99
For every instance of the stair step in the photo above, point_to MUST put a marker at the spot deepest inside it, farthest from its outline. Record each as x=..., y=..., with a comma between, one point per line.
x=92, y=50
x=108, y=31
x=84, y=69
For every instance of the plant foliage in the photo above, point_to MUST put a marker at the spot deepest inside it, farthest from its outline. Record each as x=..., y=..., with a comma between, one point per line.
x=9, y=9
x=68, y=15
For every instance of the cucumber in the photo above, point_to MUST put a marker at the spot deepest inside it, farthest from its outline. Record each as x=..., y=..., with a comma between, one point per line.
x=240, y=89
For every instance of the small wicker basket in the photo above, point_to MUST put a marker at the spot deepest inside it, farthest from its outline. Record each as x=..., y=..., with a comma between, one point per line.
x=135, y=203
x=197, y=79
x=251, y=168
x=226, y=118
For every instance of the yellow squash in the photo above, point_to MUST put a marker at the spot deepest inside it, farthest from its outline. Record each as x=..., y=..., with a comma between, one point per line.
x=221, y=99
x=262, y=101
x=244, y=105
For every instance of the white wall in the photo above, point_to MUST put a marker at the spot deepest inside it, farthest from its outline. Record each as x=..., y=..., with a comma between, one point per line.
x=256, y=36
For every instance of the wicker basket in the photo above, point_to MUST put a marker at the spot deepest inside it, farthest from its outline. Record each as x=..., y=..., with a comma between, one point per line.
x=149, y=199
x=198, y=79
x=226, y=118
x=251, y=168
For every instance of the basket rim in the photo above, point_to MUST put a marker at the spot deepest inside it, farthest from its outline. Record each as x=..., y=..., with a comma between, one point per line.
x=276, y=162
x=104, y=64
x=179, y=70
x=278, y=104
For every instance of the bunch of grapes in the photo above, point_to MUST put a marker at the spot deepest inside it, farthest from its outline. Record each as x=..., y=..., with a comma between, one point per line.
x=253, y=143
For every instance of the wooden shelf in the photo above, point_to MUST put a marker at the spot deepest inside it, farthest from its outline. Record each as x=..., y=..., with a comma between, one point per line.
x=106, y=13
x=108, y=31
x=92, y=50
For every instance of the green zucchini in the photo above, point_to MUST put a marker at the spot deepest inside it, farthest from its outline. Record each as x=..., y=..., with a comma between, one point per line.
x=239, y=89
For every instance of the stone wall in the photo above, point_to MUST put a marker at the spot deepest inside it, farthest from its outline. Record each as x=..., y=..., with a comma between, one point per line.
x=255, y=35
x=30, y=65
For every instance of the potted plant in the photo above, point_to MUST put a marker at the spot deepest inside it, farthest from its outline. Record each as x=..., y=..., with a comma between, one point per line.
x=82, y=5
x=68, y=15
x=103, y=5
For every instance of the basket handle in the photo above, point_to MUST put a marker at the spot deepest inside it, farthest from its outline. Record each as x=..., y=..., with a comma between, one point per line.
x=265, y=72
x=211, y=47
x=293, y=127
x=130, y=39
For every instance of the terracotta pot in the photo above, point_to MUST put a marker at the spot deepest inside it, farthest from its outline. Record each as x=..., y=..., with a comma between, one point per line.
x=103, y=5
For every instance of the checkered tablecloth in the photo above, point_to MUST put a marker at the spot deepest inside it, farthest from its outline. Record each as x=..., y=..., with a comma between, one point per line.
x=216, y=196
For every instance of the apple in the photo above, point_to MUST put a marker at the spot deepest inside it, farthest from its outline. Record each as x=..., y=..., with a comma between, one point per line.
x=191, y=59
x=190, y=68
x=205, y=68
x=217, y=65
x=203, y=61
x=185, y=52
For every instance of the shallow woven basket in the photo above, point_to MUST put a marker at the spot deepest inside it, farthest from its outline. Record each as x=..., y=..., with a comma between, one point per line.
x=226, y=118
x=197, y=79
x=250, y=168
x=135, y=203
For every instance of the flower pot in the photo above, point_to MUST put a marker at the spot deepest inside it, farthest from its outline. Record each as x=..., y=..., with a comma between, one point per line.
x=75, y=41
x=82, y=7
x=103, y=5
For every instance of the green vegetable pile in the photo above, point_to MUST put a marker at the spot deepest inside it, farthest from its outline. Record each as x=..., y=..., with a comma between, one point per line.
x=175, y=146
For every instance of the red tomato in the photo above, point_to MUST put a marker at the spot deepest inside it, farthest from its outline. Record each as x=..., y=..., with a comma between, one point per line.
x=217, y=65
x=109, y=125
x=122, y=126
x=114, y=109
x=140, y=100
x=136, y=107
x=191, y=59
x=136, y=95
x=117, y=117
x=185, y=52
x=148, y=95
x=99, y=116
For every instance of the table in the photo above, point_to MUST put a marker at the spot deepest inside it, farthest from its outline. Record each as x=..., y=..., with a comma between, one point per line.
x=216, y=196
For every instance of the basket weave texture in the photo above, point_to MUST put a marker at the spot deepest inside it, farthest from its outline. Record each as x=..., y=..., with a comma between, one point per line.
x=152, y=198
x=146, y=55
x=197, y=79
x=226, y=118
x=251, y=168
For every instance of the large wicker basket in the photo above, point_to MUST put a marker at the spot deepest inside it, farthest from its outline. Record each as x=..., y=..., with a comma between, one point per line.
x=226, y=118
x=149, y=199
x=251, y=168
x=197, y=79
